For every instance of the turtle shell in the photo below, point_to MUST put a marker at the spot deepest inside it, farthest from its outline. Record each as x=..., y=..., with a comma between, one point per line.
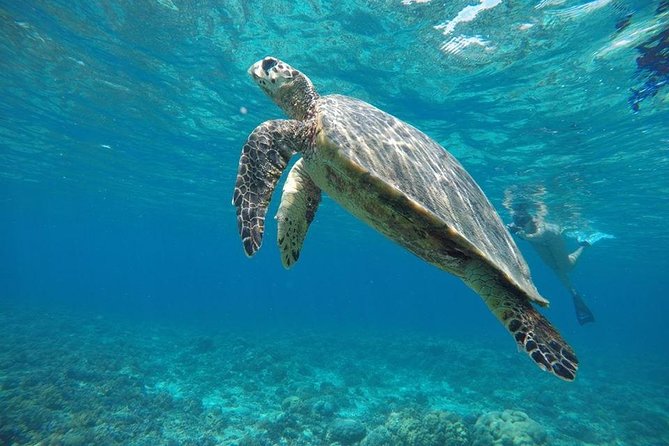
x=408, y=164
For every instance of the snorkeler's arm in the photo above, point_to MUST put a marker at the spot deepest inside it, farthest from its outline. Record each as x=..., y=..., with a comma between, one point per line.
x=532, y=236
x=536, y=235
x=516, y=230
x=541, y=213
x=513, y=228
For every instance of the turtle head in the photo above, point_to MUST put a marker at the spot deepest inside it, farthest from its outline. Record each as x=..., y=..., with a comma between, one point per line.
x=287, y=87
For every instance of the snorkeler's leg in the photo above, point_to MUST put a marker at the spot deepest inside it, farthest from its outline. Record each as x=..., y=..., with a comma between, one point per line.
x=583, y=313
x=574, y=256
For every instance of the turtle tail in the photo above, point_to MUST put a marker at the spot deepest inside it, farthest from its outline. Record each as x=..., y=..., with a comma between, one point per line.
x=531, y=330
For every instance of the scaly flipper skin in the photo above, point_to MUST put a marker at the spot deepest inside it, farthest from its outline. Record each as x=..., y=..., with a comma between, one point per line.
x=264, y=158
x=531, y=331
x=299, y=201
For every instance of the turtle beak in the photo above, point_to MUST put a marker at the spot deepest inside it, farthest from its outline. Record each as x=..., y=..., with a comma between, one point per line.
x=255, y=70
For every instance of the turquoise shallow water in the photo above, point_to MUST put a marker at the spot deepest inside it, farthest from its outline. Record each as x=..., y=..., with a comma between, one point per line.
x=131, y=316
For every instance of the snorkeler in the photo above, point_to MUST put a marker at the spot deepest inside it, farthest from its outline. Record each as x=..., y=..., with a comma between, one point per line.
x=653, y=60
x=549, y=242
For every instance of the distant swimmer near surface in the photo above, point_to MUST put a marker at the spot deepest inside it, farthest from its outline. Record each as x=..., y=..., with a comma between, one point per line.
x=399, y=181
x=549, y=241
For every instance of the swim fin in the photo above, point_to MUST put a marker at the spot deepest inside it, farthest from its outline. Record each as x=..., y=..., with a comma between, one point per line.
x=583, y=313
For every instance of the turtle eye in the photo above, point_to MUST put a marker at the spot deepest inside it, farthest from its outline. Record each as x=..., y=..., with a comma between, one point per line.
x=268, y=64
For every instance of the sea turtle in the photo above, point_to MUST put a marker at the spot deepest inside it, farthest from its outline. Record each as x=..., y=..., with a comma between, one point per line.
x=399, y=181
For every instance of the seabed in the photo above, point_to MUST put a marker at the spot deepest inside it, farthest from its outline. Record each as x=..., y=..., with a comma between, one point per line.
x=70, y=379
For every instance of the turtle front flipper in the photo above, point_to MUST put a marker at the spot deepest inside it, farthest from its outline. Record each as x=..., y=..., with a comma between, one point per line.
x=532, y=332
x=299, y=201
x=264, y=158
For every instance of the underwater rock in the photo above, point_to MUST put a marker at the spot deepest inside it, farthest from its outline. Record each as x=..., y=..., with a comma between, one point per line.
x=346, y=431
x=292, y=404
x=192, y=406
x=280, y=427
x=325, y=407
x=215, y=420
x=379, y=436
x=508, y=428
x=435, y=428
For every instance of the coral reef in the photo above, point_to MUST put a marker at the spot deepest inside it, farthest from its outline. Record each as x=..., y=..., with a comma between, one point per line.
x=70, y=379
x=508, y=428
x=379, y=436
x=431, y=429
x=346, y=431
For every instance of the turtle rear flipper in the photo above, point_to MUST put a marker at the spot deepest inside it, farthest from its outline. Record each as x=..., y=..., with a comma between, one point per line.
x=534, y=334
x=264, y=158
x=530, y=329
x=299, y=201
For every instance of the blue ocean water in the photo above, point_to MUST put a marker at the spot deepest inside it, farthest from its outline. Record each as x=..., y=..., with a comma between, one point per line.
x=130, y=314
